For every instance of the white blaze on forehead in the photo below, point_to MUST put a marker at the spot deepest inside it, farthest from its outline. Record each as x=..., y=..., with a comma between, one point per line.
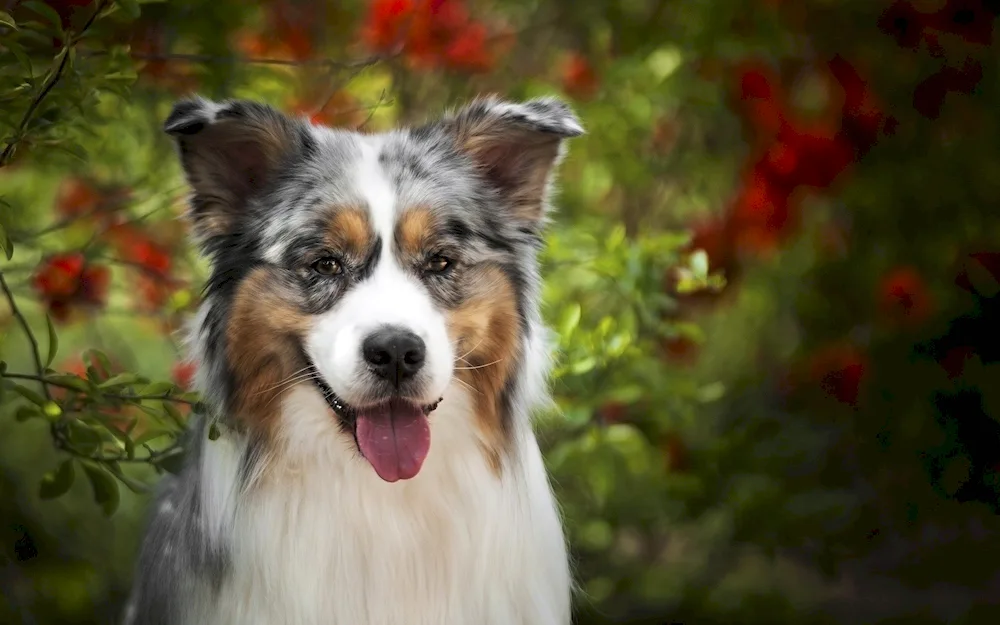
x=374, y=186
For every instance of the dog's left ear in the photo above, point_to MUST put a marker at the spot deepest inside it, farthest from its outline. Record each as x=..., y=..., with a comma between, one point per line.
x=516, y=146
x=230, y=152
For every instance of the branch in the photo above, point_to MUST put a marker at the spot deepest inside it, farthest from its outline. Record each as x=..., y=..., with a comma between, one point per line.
x=44, y=381
x=244, y=60
x=27, y=331
x=372, y=109
x=50, y=83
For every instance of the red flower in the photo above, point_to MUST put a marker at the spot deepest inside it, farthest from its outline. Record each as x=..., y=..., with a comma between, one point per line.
x=66, y=283
x=341, y=110
x=862, y=114
x=432, y=33
x=579, y=79
x=152, y=264
x=384, y=28
x=756, y=84
x=183, y=373
x=468, y=51
x=823, y=156
x=840, y=371
x=904, y=296
x=763, y=212
x=76, y=197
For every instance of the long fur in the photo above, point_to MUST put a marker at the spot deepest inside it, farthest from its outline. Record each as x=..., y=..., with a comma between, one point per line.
x=281, y=519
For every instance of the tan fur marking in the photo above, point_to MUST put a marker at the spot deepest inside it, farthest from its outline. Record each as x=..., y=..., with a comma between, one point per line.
x=486, y=330
x=351, y=232
x=265, y=325
x=413, y=231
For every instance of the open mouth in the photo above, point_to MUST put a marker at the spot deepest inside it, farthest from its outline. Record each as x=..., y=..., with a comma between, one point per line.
x=393, y=435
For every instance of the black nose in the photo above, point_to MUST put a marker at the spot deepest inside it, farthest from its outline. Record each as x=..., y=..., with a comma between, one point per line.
x=394, y=354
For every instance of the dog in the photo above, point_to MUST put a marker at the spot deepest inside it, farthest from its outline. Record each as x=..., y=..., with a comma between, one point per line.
x=369, y=349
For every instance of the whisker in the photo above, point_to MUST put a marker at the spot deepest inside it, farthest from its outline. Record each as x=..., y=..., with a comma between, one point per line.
x=311, y=376
x=478, y=366
x=474, y=347
x=301, y=373
x=467, y=385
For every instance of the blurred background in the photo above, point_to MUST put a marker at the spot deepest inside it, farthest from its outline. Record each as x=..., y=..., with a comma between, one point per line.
x=773, y=273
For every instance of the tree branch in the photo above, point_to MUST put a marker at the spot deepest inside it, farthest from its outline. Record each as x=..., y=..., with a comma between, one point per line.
x=47, y=87
x=44, y=381
x=36, y=355
x=243, y=60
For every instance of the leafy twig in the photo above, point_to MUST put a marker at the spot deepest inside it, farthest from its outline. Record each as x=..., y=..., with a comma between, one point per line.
x=36, y=355
x=50, y=83
x=45, y=381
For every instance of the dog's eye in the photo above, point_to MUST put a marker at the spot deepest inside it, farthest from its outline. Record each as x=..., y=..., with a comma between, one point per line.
x=327, y=266
x=437, y=263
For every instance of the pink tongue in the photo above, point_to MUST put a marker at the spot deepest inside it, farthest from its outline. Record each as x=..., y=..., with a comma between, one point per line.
x=394, y=438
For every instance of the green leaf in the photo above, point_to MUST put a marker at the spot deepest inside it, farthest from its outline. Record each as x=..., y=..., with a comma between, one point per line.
x=29, y=394
x=150, y=434
x=213, y=432
x=626, y=394
x=584, y=365
x=157, y=389
x=122, y=379
x=68, y=379
x=98, y=360
x=7, y=20
x=570, y=319
x=6, y=244
x=52, y=410
x=53, y=341
x=173, y=413
x=22, y=57
x=132, y=484
x=84, y=438
x=126, y=441
x=57, y=482
x=105, y=487
x=45, y=11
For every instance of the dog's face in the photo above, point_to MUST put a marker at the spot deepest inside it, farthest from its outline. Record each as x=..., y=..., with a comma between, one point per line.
x=381, y=269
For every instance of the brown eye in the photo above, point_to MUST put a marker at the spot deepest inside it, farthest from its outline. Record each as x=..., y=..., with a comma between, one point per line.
x=437, y=263
x=327, y=266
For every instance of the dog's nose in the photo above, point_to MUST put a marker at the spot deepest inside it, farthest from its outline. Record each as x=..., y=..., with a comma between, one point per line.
x=394, y=354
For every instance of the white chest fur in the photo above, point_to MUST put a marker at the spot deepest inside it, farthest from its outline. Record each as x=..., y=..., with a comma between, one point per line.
x=321, y=540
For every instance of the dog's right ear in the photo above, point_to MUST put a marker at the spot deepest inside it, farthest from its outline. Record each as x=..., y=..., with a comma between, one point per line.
x=230, y=151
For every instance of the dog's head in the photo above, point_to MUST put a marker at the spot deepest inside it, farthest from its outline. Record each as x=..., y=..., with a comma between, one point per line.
x=380, y=269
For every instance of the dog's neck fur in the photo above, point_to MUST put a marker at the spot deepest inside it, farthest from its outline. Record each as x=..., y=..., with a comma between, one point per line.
x=321, y=539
